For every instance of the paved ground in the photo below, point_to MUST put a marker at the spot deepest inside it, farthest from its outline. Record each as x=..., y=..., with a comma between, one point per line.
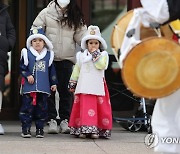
x=121, y=142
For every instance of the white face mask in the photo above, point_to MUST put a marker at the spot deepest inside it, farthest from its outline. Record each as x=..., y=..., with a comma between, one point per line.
x=63, y=3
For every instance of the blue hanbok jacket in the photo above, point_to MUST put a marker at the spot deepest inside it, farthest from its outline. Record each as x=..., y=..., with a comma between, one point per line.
x=41, y=67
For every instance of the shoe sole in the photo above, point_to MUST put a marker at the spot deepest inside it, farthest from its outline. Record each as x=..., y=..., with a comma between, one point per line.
x=39, y=136
x=94, y=136
x=82, y=136
x=104, y=137
x=64, y=132
x=52, y=132
x=26, y=136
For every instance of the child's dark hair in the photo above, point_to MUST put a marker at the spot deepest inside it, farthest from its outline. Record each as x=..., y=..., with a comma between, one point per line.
x=101, y=50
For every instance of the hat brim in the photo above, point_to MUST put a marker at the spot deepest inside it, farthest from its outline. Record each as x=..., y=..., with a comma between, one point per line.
x=119, y=30
x=47, y=41
x=88, y=37
x=152, y=68
x=175, y=26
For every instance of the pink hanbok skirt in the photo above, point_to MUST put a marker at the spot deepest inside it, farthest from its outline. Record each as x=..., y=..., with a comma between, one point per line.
x=91, y=114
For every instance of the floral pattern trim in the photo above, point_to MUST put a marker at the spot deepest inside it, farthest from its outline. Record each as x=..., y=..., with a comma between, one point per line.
x=90, y=130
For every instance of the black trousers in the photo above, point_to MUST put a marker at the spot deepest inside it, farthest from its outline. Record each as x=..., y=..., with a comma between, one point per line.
x=30, y=112
x=63, y=71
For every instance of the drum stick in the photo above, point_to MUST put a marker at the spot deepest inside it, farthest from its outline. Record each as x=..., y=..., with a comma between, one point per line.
x=115, y=54
x=158, y=32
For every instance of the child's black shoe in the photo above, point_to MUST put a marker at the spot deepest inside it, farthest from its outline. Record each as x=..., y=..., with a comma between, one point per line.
x=39, y=133
x=26, y=134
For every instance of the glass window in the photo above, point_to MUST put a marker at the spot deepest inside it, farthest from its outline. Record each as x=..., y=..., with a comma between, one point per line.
x=39, y=5
x=105, y=14
x=36, y=6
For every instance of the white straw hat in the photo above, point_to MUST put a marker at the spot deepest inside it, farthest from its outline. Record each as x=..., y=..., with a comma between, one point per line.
x=93, y=32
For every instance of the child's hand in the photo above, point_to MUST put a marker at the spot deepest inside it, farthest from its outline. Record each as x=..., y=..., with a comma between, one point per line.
x=95, y=55
x=53, y=87
x=30, y=79
x=72, y=90
x=72, y=85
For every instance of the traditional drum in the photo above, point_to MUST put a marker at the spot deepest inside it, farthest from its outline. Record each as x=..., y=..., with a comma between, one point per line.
x=119, y=30
x=152, y=68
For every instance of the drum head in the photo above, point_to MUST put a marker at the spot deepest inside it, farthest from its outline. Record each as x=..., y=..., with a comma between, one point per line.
x=119, y=30
x=152, y=68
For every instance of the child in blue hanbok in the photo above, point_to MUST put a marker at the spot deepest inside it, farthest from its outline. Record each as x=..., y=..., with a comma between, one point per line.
x=38, y=79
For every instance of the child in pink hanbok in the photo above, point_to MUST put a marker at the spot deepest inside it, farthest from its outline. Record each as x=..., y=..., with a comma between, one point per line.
x=91, y=114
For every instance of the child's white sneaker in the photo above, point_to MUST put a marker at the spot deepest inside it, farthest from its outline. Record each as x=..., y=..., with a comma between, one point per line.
x=1, y=130
x=64, y=127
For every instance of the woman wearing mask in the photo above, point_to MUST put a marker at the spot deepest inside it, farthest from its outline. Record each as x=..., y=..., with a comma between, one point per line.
x=64, y=26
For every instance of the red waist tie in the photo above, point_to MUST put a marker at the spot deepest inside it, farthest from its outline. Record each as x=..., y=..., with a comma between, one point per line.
x=22, y=81
x=33, y=95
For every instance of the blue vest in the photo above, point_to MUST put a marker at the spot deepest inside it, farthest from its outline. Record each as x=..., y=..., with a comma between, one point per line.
x=40, y=72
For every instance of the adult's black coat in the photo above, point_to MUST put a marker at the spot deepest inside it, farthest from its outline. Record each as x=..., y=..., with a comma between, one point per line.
x=7, y=41
x=174, y=9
